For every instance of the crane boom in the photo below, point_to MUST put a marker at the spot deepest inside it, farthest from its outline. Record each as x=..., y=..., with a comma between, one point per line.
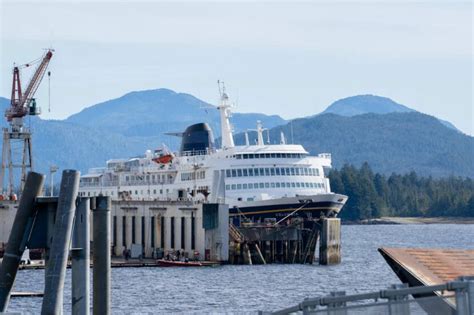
x=20, y=101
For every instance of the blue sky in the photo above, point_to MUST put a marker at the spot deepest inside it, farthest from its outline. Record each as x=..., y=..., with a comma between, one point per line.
x=286, y=58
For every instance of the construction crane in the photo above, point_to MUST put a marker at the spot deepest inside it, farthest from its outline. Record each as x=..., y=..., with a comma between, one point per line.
x=21, y=105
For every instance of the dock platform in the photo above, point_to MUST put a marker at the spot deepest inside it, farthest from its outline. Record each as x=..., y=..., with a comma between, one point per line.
x=428, y=267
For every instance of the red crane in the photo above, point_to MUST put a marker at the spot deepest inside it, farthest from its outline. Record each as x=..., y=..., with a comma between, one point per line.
x=23, y=104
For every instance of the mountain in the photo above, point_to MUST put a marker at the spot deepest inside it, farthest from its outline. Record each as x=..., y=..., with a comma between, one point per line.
x=151, y=113
x=395, y=142
x=364, y=104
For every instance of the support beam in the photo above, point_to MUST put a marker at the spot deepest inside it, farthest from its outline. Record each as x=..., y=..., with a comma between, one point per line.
x=330, y=242
x=101, y=256
x=58, y=255
x=81, y=259
x=18, y=236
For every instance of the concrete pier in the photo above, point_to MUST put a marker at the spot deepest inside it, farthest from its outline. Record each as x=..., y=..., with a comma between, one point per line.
x=330, y=245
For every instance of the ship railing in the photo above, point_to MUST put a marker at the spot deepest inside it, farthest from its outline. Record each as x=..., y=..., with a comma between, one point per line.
x=194, y=152
x=455, y=297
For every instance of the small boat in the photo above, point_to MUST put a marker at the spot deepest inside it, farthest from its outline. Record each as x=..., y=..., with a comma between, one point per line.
x=172, y=263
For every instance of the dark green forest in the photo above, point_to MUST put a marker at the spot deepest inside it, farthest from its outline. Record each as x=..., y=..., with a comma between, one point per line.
x=373, y=195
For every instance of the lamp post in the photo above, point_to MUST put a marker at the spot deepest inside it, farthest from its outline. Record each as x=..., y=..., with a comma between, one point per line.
x=52, y=170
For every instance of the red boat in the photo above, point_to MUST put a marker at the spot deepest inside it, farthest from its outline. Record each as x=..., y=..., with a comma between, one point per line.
x=172, y=263
x=163, y=159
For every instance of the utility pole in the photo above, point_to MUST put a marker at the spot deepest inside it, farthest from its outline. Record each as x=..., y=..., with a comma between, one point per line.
x=52, y=169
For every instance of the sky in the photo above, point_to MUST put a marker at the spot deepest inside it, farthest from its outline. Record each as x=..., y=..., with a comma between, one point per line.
x=287, y=58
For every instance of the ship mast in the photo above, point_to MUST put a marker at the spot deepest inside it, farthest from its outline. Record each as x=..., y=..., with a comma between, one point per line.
x=224, y=109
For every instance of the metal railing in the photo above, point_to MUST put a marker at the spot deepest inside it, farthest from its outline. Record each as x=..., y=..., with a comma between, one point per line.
x=395, y=300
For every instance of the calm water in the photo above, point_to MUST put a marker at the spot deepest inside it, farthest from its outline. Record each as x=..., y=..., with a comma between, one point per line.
x=251, y=288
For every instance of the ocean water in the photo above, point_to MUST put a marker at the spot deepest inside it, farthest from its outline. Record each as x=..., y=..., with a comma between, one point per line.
x=242, y=289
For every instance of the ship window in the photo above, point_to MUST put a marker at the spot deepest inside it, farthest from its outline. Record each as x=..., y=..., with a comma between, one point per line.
x=292, y=171
x=306, y=185
x=273, y=185
x=293, y=185
x=126, y=178
x=239, y=172
x=317, y=172
x=282, y=185
x=233, y=186
x=262, y=172
x=277, y=171
x=322, y=185
x=251, y=156
x=267, y=155
x=277, y=185
x=272, y=171
x=298, y=185
x=305, y=171
x=250, y=171
x=245, y=172
x=267, y=185
x=136, y=192
x=161, y=191
x=154, y=191
x=260, y=185
x=238, y=156
x=267, y=171
x=234, y=173
x=239, y=186
x=227, y=173
x=273, y=155
x=278, y=155
x=244, y=186
x=255, y=171
x=246, y=156
x=297, y=171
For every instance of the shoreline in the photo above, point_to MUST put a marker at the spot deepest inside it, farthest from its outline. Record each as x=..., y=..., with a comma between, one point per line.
x=412, y=220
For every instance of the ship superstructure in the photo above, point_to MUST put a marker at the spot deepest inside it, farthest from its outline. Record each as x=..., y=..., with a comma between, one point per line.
x=257, y=180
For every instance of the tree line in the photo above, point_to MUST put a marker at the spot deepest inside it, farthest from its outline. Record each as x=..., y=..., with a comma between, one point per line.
x=373, y=195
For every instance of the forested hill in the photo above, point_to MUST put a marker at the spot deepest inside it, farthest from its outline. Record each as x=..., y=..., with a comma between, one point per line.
x=372, y=195
x=394, y=142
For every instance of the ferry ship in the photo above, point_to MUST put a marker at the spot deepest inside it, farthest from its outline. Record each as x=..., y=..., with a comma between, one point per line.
x=257, y=181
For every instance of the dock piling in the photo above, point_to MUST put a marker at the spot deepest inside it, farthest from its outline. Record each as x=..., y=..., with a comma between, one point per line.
x=81, y=259
x=16, y=241
x=101, y=256
x=58, y=255
x=330, y=242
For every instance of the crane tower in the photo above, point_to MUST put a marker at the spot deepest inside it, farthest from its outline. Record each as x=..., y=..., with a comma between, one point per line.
x=21, y=105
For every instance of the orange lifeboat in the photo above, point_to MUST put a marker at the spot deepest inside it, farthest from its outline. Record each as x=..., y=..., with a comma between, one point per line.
x=163, y=159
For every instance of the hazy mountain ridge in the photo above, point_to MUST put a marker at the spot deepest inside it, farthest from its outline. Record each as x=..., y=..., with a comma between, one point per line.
x=368, y=103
